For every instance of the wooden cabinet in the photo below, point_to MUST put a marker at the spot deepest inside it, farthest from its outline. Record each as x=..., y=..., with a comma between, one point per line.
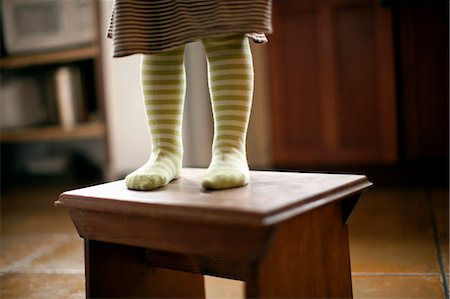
x=332, y=83
x=423, y=45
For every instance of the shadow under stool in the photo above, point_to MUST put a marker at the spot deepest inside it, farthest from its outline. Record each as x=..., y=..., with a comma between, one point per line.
x=284, y=235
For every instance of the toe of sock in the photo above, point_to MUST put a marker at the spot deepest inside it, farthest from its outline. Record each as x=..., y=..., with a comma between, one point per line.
x=144, y=182
x=224, y=180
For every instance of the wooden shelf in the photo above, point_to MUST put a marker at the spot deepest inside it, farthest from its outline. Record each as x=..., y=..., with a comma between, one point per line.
x=61, y=56
x=53, y=133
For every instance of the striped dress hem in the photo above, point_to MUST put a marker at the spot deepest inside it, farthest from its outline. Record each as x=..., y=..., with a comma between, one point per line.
x=149, y=27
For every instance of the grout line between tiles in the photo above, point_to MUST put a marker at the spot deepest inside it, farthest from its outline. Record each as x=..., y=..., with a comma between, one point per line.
x=23, y=261
x=437, y=243
x=393, y=274
x=61, y=237
x=51, y=271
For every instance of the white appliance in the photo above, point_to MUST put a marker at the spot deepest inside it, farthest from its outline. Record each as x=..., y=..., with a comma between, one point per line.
x=38, y=25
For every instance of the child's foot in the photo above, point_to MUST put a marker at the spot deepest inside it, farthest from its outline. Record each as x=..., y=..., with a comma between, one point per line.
x=154, y=174
x=227, y=170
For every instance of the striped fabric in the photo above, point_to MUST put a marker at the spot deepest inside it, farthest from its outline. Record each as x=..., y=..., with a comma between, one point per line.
x=163, y=86
x=230, y=72
x=152, y=26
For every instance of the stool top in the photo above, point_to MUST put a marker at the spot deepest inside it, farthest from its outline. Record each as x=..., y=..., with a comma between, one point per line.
x=269, y=198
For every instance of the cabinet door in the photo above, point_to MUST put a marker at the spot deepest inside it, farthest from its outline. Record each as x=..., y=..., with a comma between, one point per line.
x=332, y=83
x=424, y=75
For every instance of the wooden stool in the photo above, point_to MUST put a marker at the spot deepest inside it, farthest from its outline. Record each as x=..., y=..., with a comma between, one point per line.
x=284, y=235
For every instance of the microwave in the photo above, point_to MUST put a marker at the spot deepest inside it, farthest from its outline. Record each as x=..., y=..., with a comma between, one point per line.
x=43, y=25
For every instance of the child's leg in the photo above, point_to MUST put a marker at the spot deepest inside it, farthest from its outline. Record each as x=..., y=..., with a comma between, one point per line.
x=163, y=84
x=231, y=87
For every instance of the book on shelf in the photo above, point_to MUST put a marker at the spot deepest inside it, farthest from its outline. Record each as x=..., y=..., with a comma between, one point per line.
x=69, y=96
x=21, y=102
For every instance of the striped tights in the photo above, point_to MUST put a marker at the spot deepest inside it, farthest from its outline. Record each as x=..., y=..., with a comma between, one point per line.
x=230, y=73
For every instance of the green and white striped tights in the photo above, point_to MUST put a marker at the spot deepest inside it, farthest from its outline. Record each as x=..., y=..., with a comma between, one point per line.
x=230, y=72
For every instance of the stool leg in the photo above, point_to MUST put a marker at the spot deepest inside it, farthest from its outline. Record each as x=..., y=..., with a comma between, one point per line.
x=120, y=271
x=308, y=258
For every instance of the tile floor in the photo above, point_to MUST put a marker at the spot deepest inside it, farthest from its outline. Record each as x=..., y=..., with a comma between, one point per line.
x=398, y=242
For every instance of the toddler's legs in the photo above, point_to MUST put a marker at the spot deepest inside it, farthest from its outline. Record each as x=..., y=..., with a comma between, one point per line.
x=163, y=84
x=231, y=86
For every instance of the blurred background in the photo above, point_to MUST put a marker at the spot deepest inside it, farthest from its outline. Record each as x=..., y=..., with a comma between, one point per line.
x=359, y=86
x=343, y=86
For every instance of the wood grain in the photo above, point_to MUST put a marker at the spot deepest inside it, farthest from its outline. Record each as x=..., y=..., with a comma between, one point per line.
x=67, y=55
x=271, y=197
x=333, y=85
x=119, y=271
x=199, y=264
x=308, y=258
x=285, y=235
x=172, y=235
x=81, y=131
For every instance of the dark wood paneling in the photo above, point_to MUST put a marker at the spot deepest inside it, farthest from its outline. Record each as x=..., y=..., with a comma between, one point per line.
x=357, y=77
x=424, y=68
x=332, y=82
x=301, y=91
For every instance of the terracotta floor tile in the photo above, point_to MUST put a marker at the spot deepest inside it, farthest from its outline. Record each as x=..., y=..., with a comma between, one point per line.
x=440, y=200
x=445, y=255
x=38, y=286
x=16, y=252
x=391, y=232
x=393, y=256
x=31, y=226
x=43, y=219
x=66, y=258
x=223, y=288
x=42, y=223
x=13, y=199
x=397, y=287
x=18, y=201
x=392, y=212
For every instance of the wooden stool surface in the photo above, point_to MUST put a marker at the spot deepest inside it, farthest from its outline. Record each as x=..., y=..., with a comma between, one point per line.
x=271, y=197
x=284, y=234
